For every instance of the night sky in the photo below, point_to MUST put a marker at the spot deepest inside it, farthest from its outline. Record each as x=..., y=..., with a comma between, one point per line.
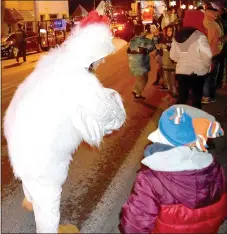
x=88, y=4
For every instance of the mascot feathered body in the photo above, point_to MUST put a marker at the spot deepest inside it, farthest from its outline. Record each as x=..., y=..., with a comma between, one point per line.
x=59, y=105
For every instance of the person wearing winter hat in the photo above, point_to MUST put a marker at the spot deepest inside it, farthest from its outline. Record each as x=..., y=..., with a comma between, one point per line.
x=59, y=105
x=194, y=19
x=192, y=53
x=181, y=188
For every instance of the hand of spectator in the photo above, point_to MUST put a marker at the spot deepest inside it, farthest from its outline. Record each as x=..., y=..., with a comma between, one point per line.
x=160, y=46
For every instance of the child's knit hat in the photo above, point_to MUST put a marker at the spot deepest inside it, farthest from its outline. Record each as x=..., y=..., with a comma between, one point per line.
x=185, y=125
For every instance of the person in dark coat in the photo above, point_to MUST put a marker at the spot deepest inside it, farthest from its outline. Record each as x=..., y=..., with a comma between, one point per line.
x=21, y=42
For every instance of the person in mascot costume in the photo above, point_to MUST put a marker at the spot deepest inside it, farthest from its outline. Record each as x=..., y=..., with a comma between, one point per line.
x=59, y=105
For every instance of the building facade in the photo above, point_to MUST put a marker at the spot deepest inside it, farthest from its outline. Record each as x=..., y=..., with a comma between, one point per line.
x=18, y=11
x=49, y=10
x=30, y=12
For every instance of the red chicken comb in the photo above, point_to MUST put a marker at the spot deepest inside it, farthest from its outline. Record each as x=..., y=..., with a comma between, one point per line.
x=94, y=18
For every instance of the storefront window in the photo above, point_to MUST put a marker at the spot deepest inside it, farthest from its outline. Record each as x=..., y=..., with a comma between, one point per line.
x=53, y=16
x=9, y=29
x=42, y=17
x=29, y=26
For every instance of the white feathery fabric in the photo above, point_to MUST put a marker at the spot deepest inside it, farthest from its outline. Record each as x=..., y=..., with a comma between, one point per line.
x=59, y=105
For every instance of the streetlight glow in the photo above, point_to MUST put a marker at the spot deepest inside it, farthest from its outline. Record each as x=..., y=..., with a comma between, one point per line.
x=173, y=3
x=183, y=6
x=191, y=7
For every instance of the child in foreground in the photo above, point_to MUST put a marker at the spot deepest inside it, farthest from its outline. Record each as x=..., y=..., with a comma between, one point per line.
x=182, y=188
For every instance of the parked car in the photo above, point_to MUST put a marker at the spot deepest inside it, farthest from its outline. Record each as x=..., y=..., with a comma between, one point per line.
x=52, y=39
x=10, y=50
x=122, y=27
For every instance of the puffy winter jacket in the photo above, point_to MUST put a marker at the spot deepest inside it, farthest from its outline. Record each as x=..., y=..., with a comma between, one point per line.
x=203, y=220
x=182, y=191
x=192, y=53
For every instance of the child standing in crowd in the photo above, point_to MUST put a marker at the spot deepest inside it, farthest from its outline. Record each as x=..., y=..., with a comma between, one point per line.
x=139, y=60
x=168, y=65
x=182, y=188
x=158, y=57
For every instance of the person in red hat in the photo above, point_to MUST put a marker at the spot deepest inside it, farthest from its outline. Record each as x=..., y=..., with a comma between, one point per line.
x=191, y=51
x=59, y=105
x=194, y=19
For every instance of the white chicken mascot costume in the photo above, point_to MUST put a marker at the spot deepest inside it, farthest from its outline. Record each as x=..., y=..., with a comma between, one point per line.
x=59, y=105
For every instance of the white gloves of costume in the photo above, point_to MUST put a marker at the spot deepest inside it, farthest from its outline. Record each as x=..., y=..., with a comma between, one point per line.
x=109, y=115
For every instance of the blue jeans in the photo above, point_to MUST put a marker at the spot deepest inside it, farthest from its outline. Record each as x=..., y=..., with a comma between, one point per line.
x=210, y=86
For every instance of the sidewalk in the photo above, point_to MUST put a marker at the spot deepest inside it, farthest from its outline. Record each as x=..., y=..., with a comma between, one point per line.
x=110, y=224
x=217, y=109
x=220, y=150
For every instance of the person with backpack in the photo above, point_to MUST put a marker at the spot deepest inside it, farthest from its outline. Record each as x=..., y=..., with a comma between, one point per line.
x=21, y=42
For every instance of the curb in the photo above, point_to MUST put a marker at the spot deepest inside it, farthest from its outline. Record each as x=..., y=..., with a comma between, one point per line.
x=105, y=217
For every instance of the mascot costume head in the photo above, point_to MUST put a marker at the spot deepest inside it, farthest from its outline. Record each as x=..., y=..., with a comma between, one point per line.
x=60, y=104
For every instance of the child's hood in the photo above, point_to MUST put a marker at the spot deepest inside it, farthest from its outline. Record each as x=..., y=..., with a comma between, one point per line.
x=186, y=37
x=188, y=175
x=178, y=159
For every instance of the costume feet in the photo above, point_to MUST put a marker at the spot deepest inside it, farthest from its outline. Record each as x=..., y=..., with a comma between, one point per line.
x=138, y=97
x=27, y=205
x=69, y=228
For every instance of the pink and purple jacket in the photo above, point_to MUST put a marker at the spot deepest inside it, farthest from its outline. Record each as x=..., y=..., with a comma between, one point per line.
x=181, y=190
